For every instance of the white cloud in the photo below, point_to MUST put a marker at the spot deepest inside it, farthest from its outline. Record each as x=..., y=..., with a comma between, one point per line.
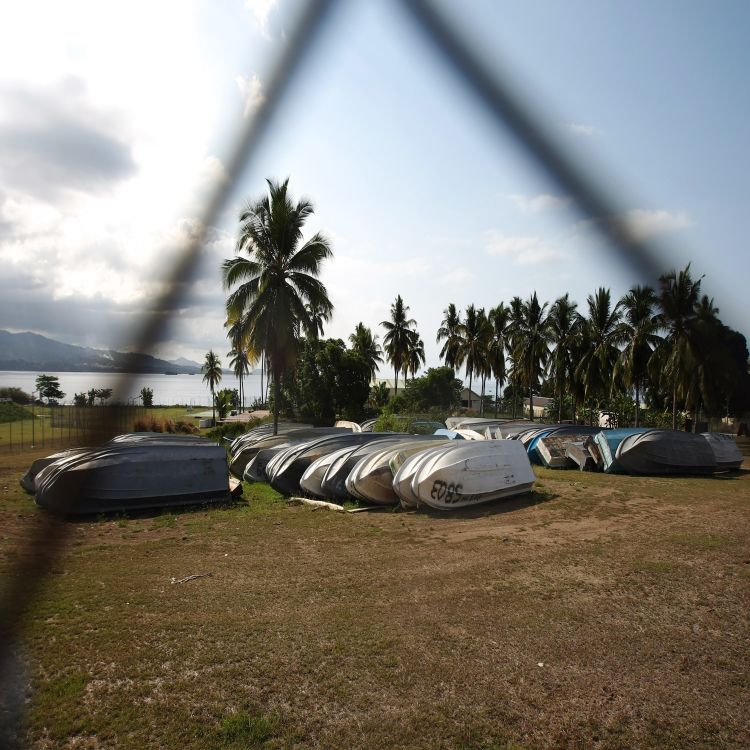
x=520, y=249
x=646, y=223
x=534, y=204
x=581, y=129
x=261, y=10
x=251, y=91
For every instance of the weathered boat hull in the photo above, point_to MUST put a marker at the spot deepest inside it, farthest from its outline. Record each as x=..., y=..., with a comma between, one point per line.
x=372, y=478
x=726, y=451
x=335, y=480
x=472, y=474
x=580, y=455
x=404, y=465
x=125, y=477
x=288, y=470
x=658, y=452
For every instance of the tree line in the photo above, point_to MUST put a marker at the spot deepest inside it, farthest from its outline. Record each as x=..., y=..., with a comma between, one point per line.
x=665, y=345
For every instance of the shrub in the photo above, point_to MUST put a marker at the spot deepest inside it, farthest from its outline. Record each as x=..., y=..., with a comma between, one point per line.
x=185, y=428
x=12, y=412
x=15, y=394
x=169, y=426
x=140, y=425
x=233, y=429
x=154, y=425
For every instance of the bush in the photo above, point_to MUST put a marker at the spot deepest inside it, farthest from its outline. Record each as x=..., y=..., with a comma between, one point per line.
x=15, y=394
x=154, y=425
x=140, y=425
x=185, y=428
x=233, y=429
x=12, y=412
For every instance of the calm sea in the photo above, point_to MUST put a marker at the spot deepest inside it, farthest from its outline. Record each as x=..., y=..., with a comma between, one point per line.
x=189, y=390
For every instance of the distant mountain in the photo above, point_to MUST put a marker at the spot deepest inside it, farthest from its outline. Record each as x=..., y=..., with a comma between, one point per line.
x=30, y=351
x=183, y=362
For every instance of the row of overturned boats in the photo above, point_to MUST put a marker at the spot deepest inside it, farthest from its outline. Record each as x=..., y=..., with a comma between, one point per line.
x=465, y=463
x=471, y=461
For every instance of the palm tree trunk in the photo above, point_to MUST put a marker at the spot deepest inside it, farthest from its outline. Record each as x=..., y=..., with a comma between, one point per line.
x=469, y=400
x=395, y=369
x=559, y=407
x=531, y=403
x=481, y=403
x=575, y=405
x=637, y=404
x=262, y=367
x=674, y=406
x=213, y=406
x=496, y=387
x=275, y=403
x=531, y=388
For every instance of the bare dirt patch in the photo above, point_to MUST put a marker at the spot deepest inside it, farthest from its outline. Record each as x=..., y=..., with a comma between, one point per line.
x=604, y=612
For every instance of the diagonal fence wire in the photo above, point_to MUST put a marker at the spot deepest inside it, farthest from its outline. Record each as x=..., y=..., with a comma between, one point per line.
x=45, y=542
x=46, y=539
x=509, y=113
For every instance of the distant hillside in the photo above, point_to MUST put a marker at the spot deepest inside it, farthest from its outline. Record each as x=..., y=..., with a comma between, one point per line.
x=183, y=362
x=30, y=351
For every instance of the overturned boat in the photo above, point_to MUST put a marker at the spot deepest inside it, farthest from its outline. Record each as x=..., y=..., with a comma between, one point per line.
x=605, y=444
x=472, y=473
x=371, y=480
x=285, y=470
x=665, y=452
x=726, y=451
x=404, y=466
x=335, y=482
x=580, y=455
x=28, y=480
x=247, y=450
x=136, y=475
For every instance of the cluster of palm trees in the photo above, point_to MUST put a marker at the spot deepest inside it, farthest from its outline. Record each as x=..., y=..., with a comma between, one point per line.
x=667, y=343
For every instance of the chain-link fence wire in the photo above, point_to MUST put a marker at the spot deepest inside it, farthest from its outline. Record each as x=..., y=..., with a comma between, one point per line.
x=508, y=112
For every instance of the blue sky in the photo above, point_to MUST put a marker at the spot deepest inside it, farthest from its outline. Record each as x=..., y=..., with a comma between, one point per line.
x=419, y=191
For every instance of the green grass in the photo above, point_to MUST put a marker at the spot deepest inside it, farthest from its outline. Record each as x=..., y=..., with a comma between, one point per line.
x=11, y=412
x=241, y=730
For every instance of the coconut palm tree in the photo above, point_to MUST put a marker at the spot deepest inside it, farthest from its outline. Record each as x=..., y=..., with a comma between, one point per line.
x=475, y=344
x=514, y=328
x=366, y=346
x=679, y=297
x=278, y=279
x=318, y=316
x=715, y=373
x=400, y=331
x=451, y=331
x=484, y=364
x=601, y=336
x=240, y=365
x=562, y=320
x=499, y=319
x=531, y=344
x=211, y=370
x=639, y=331
x=415, y=357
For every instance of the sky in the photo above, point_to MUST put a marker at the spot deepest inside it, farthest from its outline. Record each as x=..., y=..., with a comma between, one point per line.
x=116, y=121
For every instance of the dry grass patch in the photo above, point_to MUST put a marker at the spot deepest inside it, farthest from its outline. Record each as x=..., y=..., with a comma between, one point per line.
x=603, y=612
